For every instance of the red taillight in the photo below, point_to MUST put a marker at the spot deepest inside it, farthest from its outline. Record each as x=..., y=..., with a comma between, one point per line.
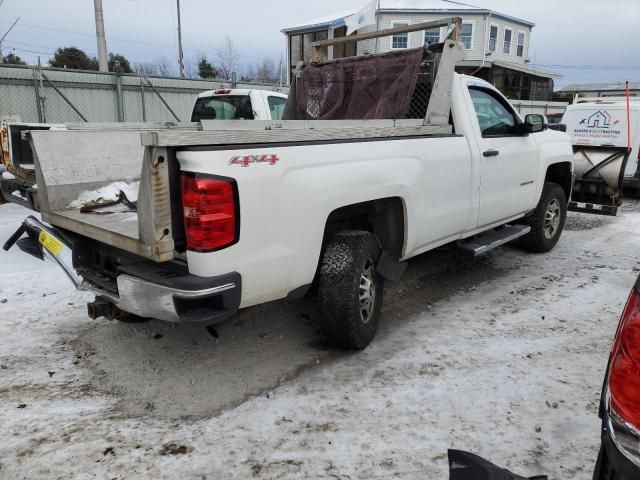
x=222, y=91
x=210, y=212
x=624, y=369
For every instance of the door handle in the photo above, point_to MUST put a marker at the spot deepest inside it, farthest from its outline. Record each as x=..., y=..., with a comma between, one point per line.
x=491, y=153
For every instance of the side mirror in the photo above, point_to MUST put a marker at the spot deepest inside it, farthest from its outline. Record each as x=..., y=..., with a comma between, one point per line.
x=535, y=123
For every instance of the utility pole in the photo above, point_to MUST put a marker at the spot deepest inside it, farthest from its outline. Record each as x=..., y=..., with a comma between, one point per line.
x=5, y=35
x=102, y=41
x=180, y=54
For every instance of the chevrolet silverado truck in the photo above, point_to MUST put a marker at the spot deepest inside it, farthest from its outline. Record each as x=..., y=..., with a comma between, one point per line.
x=332, y=200
x=18, y=184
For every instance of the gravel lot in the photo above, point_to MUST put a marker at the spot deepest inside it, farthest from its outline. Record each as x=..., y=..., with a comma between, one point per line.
x=503, y=356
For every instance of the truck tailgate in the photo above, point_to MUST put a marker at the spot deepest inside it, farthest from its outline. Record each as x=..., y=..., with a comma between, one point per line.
x=71, y=162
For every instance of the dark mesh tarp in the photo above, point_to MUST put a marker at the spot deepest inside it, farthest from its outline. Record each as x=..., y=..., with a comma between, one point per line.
x=360, y=88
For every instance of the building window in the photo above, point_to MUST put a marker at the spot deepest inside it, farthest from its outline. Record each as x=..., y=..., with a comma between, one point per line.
x=466, y=35
x=493, y=38
x=507, y=42
x=402, y=40
x=520, y=50
x=432, y=36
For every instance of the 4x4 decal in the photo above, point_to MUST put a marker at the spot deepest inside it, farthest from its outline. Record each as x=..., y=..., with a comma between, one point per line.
x=246, y=160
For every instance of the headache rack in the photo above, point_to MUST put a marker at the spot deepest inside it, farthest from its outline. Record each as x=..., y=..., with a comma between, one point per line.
x=69, y=162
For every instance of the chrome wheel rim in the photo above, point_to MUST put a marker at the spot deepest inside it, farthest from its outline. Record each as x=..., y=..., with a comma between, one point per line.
x=367, y=291
x=552, y=219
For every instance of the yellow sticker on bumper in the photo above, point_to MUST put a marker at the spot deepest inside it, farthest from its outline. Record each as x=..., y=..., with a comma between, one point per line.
x=50, y=243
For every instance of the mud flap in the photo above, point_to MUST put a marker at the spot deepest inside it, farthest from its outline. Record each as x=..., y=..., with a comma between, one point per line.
x=467, y=466
x=597, y=187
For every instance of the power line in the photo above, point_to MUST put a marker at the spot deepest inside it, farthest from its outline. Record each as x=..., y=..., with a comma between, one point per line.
x=89, y=54
x=591, y=67
x=124, y=40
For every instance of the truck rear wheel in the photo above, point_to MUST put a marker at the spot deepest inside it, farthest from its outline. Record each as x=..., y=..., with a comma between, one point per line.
x=547, y=220
x=350, y=289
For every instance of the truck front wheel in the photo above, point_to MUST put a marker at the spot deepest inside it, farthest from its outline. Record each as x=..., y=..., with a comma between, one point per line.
x=350, y=289
x=547, y=220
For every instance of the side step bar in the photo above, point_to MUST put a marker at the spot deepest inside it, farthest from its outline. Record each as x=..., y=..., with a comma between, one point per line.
x=492, y=239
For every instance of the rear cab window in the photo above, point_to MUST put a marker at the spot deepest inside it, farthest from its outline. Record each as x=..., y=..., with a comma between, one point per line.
x=223, y=107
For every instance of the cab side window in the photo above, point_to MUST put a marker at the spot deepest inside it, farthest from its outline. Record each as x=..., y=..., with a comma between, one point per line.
x=276, y=106
x=495, y=118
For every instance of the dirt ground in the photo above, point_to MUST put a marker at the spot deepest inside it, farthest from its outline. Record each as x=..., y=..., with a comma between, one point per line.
x=503, y=356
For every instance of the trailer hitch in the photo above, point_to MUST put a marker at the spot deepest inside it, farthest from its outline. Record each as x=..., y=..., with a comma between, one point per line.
x=103, y=307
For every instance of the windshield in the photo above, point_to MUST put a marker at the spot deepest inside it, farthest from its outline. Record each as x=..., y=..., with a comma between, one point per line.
x=223, y=107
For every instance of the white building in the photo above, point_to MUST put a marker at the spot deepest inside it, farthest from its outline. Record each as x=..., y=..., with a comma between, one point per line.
x=497, y=44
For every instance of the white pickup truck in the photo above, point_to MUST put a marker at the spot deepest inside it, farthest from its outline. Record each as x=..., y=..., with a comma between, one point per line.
x=243, y=214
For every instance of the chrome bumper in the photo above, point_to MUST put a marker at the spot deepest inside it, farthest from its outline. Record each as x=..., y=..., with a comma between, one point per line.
x=146, y=299
x=179, y=297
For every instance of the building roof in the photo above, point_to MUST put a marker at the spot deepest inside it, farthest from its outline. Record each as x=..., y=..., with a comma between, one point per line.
x=404, y=6
x=525, y=68
x=599, y=87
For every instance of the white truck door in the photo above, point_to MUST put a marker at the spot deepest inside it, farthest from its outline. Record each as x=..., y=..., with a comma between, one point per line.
x=508, y=159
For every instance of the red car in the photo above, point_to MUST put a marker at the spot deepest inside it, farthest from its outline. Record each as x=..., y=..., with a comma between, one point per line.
x=619, y=457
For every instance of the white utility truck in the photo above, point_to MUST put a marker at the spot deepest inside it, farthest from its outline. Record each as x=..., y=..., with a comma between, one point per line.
x=606, y=150
x=17, y=185
x=359, y=177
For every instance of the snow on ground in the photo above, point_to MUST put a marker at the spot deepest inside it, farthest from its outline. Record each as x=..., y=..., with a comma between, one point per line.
x=503, y=356
x=107, y=193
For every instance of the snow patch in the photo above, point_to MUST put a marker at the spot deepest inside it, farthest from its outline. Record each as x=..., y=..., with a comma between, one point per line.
x=18, y=193
x=105, y=194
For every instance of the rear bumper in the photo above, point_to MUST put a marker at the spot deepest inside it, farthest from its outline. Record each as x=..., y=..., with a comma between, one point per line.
x=164, y=291
x=612, y=463
x=184, y=299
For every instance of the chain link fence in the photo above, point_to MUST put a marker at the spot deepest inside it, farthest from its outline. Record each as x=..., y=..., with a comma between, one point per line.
x=50, y=95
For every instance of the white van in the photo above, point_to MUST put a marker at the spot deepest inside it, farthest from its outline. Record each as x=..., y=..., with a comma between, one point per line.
x=599, y=134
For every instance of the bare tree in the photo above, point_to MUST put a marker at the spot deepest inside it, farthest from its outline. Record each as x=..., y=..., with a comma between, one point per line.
x=191, y=65
x=228, y=58
x=160, y=67
x=165, y=67
x=145, y=68
x=248, y=73
x=265, y=71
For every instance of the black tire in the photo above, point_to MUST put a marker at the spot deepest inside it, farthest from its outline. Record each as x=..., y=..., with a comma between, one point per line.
x=350, y=290
x=546, y=226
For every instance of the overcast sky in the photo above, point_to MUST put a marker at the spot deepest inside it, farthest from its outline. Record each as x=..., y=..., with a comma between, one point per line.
x=585, y=40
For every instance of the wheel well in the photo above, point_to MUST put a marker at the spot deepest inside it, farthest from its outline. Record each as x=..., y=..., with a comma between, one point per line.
x=560, y=173
x=383, y=217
